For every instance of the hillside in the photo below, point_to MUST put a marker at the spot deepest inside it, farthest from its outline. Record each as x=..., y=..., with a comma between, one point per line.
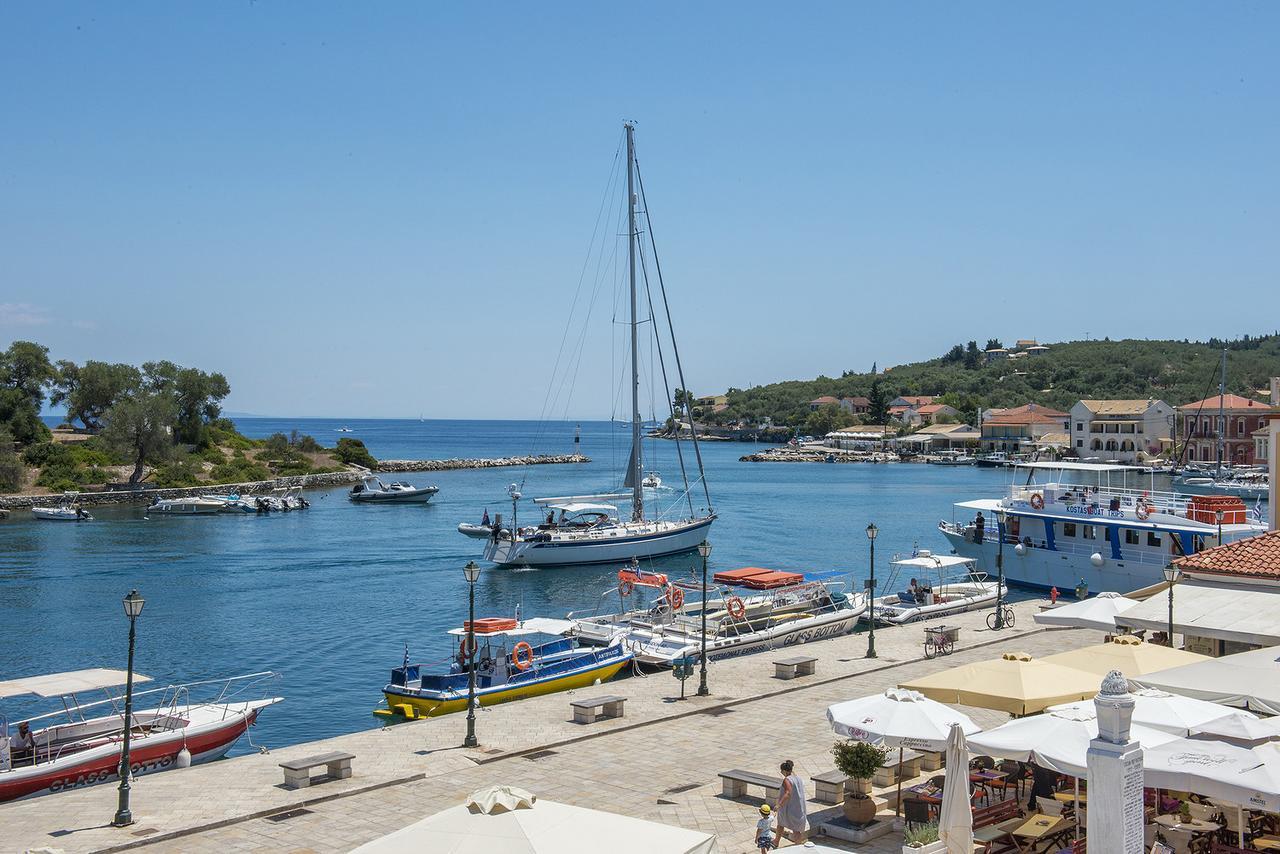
x=1175, y=371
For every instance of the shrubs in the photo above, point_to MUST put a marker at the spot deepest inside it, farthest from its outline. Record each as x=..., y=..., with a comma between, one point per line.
x=184, y=472
x=11, y=470
x=351, y=451
x=239, y=471
x=857, y=759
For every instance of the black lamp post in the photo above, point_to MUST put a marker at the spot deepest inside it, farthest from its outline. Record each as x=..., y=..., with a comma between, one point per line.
x=872, y=530
x=1000, y=519
x=1171, y=575
x=1218, y=514
x=132, y=608
x=704, y=549
x=472, y=573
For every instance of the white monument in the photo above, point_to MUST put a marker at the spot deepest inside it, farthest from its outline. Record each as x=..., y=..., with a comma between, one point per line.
x=1115, y=773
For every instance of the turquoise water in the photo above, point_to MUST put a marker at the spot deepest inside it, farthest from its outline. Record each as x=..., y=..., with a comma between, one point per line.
x=329, y=597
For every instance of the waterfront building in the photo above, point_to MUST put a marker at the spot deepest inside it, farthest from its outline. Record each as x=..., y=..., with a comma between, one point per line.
x=864, y=437
x=819, y=402
x=1202, y=425
x=1021, y=429
x=929, y=413
x=940, y=437
x=855, y=405
x=1125, y=431
x=900, y=404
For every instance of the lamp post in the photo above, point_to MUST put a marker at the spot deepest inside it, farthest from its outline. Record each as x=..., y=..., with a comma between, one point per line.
x=132, y=608
x=1171, y=575
x=1000, y=518
x=472, y=573
x=872, y=530
x=1218, y=514
x=704, y=549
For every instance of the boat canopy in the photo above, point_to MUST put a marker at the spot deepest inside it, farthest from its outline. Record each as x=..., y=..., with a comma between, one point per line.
x=932, y=561
x=516, y=632
x=1067, y=466
x=62, y=684
x=583, y=507
x=575, y=499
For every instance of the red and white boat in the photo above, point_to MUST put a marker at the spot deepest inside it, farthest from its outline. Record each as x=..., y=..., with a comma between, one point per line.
x=73, y=749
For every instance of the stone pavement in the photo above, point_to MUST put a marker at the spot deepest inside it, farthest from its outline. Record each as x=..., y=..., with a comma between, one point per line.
x=659, y=762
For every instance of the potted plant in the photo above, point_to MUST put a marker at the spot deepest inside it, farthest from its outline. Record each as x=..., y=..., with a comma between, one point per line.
x=921, y=838
x=858, y=761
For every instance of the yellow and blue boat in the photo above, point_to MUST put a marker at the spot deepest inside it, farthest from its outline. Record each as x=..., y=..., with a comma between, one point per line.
x=507, y=667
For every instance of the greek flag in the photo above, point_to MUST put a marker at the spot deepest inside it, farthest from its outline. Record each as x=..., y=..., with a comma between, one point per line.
x=406, y=656
x=1257, y=510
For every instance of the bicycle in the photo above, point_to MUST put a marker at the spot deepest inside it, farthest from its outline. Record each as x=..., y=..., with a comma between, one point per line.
x=1006, y=612
x=936, y=642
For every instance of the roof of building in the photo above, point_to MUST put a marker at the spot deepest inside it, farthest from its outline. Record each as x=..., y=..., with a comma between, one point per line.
x=1120, y=407
x=933, y=408
x=857, y=401
x=1230, y=401
x=1037, y=347
x=1257, y=556
x=915, y=399
x=1054, y=439
x=1028, y=414
x=1025, y=342
x=825, y=399
x=946, y=429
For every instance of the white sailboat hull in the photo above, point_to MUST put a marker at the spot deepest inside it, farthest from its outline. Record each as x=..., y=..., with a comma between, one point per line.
x=615, y=544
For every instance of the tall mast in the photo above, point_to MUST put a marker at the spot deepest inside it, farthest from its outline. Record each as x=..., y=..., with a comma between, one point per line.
x=637, y=491
x=1222, y=411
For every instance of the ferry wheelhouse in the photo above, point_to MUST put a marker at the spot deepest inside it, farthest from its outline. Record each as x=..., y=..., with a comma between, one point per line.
x=1102, y=526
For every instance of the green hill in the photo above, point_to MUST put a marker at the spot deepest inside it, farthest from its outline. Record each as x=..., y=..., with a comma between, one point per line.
x=1175, y=371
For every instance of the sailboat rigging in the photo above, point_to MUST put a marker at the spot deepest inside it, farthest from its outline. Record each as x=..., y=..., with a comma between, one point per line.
x=589, y=528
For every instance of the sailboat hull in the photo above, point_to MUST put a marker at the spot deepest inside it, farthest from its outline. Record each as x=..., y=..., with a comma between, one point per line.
x=653, y=539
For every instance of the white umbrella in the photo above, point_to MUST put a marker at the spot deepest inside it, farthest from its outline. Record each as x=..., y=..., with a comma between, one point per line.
x=1098, y=612
x=1239, y=728
x=1161, y=710
x=898, y=718
x=955, y=820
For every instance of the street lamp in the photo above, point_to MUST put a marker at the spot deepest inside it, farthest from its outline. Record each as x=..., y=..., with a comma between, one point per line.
x=1171, y=575
x=132, y=608
x=704, y=549
x=1218, y=514
x=472, y=573
x=872, y=530
x=1000, y=517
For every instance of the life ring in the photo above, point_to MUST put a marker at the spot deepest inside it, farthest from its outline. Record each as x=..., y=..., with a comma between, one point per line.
x=625, y=587
x=462, y=648
x=736, y=609
x=1037, y=501
x=1142, y=511
x=522, y=662
x=675, y=596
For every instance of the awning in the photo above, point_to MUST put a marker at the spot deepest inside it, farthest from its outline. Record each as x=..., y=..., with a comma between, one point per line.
x=1249, y=680
x=70, y=682
x=1232, y=612
x=583, y=507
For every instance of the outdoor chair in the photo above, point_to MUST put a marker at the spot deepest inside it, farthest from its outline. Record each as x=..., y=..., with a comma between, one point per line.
x=1203, y=812
x=1015, y=781
x=938, y=780
x=1178, y=840
x=916, y=811
x=983, y=763
x=1049, y=806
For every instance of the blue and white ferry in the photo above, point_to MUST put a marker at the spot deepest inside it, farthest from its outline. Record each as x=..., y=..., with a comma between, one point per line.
x=1104, y=526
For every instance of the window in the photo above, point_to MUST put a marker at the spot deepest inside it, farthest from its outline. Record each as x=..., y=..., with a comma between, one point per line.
x=1130, y=537
x=1090, y=533
x=1106, y=534
x=1079, y=443
x=1079, y=426
x=1153, y=539
x=1240, y=427
x=1068, y=529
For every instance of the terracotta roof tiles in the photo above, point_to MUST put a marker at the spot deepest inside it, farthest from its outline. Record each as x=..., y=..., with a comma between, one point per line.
x=1257, y=556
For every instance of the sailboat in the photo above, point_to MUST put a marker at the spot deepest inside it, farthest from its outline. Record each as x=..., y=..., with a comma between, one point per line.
x=581, y=529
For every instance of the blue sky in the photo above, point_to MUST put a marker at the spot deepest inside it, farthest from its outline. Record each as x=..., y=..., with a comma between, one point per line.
x=383, y=209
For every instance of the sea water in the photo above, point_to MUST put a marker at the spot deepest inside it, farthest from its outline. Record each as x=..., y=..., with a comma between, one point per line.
x=330, y=597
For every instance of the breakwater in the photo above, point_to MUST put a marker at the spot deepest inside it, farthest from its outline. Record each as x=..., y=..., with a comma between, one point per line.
x=449, y=465
x=816, y=455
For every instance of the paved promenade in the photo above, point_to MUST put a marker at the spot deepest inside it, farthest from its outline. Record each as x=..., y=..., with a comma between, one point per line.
x=659, y=762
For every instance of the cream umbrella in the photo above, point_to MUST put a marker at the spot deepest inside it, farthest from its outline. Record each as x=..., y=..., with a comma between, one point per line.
x=1096, y=612
x=955, y=819
x=1014, y=683
x=1126, y=653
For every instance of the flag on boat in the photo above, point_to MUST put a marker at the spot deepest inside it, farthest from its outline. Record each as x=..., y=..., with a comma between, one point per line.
x=406, y=656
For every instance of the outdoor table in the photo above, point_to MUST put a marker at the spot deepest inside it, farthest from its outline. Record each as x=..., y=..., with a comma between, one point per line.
x=1194, y=825
x=986, y=776
x=1069, y=797
x=1039, y=828
x=929, y=794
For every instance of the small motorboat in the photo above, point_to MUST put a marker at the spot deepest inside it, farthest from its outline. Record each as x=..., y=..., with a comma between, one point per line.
x=74, y=513
x=372, y=490
x=957, y=586
x=192, y=506
x=345, y=430
x=472, y=529
x=651, y=480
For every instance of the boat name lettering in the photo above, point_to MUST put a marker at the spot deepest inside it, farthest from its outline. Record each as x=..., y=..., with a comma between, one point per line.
x=1094, y=511
x=106, y=774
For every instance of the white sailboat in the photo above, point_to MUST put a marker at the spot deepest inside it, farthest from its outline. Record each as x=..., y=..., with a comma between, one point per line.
x=589, y=528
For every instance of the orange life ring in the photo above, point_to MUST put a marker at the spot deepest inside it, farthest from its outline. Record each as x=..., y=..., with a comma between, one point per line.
x=1037, y=501
x=675, y=596
x=736, y=608
x=1142, y=511
x=525, y=662
x=462, y=647
x=625, y=587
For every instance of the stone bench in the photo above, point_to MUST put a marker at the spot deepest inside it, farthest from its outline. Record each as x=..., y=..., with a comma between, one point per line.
x=887, y=773
x=586, y=711
x=790, y=668
x=297, y=772
x=735, y=784
x=828, y=788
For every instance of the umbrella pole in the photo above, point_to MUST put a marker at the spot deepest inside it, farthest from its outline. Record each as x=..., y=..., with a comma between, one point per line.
x=897, y=808
x=1077, y=806
x=1240, y=823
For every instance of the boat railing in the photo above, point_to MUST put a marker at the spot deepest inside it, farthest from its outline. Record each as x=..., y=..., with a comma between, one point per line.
x=1101, y=499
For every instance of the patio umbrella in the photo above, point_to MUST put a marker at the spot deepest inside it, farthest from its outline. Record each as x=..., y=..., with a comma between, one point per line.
x=1014, y=683
x=955, y=819
x=1161, y=710
x=898, y=718
x=1098, y=612
x=1126, y=653
x=1239, y=728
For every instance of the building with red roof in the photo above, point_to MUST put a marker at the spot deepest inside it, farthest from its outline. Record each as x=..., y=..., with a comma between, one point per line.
x=1241, y=418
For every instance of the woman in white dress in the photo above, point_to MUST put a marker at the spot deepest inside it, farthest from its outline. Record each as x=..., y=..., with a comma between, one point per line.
x=791, y=805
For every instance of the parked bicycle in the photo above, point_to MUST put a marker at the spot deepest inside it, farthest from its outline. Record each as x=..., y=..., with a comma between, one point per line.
x=937, y=641
x=1007, y=613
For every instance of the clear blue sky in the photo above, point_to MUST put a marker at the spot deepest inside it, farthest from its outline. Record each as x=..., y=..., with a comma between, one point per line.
x=383, y=209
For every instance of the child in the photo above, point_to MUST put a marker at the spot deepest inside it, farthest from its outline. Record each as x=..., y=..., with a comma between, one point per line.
x=764, y=830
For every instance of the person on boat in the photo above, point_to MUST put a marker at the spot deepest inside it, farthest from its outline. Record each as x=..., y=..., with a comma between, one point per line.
x=21, y=744
x=551, y=519
x=914, y=589
x=979, y=528
x=791, y=806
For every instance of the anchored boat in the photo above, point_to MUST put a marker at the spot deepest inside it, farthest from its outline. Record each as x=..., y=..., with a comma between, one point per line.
x=509, y=665
x=939, y=585
x=371, y=490
x=72, y=747
x=68, y=511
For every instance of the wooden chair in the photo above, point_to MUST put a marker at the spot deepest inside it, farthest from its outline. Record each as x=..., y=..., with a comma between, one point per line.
x=916, y=811
x=982, y=763
x=1014, y=781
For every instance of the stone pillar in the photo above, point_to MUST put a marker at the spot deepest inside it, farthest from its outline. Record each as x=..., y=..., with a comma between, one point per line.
x=1273, y=464
x=1115, y=773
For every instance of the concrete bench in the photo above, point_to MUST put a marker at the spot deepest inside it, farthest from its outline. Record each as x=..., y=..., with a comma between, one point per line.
x=887, y=773
x=828, y=788
x=735, y=784
x=586, y=711
x=790, y=668
x=297, y=772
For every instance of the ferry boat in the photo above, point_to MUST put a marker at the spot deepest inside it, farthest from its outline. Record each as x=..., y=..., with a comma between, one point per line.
x=944, y=584
x=1080, y=527
x=507, y=667
x=752, y=609
x=72, y=748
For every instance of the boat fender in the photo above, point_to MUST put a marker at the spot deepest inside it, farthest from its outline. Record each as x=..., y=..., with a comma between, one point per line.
x=522, y=662
x=736, y=608
x=183, y=759
x=1097, y=559
x=676, y=597
x=1019, y=549
x=1037, y=501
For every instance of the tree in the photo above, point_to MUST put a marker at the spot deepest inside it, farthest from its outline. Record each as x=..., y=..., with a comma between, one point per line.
x=994, y=344
x=91, y=390
x=683, y=398
x=954, y=356
x=140, y=427
x=25, y=372
x=879, y=397
x=11, y=471
x=972, y=358
x=197, y=397
x=825, y=419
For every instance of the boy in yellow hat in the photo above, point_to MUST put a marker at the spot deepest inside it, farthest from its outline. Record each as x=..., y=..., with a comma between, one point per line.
x=764, y=830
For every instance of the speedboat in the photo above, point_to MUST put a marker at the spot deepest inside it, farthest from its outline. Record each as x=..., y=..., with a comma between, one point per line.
x=951, y=458
x=946, y=585
x=73, y=513
x=371, y=490
x=233, y=502
x=651, y=480
x=507, y=667
x=80, y=744
x=191, y=506
x=345, y=430
x=478, y=530
x=748, y=610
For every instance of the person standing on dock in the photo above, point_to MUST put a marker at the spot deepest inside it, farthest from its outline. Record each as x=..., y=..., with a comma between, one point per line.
x=791, y=805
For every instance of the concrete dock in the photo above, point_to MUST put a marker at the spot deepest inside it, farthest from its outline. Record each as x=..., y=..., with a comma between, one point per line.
x=659, y=762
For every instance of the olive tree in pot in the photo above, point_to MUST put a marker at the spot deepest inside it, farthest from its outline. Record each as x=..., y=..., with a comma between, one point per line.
x=858, y=761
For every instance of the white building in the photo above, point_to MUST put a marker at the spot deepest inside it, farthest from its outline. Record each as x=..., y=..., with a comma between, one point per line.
x=1129, y=431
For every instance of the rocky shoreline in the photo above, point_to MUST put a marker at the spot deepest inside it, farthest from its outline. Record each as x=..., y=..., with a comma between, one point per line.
x=810, y=455
x=301, y=481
